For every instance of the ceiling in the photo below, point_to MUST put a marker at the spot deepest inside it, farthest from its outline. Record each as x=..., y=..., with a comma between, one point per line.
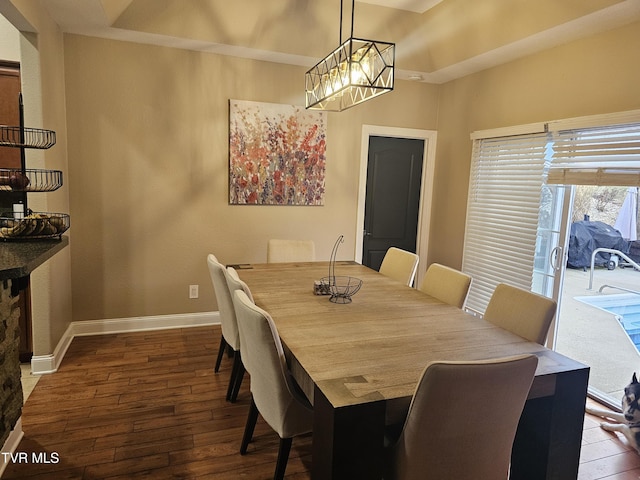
x=436, y=40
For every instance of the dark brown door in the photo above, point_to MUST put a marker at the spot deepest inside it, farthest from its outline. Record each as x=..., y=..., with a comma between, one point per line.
x=10, y=115
x=392, y=203
x=10, y=158
x=9, y=109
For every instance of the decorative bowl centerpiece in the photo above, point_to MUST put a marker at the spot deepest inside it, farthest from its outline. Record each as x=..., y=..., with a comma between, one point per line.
x=341, y=287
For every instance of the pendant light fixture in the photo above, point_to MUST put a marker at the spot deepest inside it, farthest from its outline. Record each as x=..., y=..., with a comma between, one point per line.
x=356, y=71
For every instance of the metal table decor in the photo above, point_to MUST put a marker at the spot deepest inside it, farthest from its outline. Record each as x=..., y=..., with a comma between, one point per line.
x=342, y=287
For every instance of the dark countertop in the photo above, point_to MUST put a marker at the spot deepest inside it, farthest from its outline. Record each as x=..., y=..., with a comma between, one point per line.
x=19, y=259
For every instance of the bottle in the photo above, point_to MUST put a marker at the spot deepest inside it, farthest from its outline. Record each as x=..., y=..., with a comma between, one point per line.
x=18, y=210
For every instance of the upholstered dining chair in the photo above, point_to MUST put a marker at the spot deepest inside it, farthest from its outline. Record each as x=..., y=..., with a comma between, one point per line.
x=279, y=251
x=447, y=284
x=462, y=421
x=274, y=395
x=522, y=312
x=235, y=283
x=230, y=335
x=400, y=265
x=234, y=280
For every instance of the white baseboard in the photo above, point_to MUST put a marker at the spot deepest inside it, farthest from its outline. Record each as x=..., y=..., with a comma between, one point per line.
x=11, y=443
x=42, y=364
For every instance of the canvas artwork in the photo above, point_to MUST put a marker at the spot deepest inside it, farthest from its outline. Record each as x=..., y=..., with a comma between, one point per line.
x=276, y=154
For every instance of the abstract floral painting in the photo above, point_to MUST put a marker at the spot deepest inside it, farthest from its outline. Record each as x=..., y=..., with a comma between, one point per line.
x=276, y=154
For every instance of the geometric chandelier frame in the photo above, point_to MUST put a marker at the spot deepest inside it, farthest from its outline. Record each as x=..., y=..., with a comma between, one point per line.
x=356, y=71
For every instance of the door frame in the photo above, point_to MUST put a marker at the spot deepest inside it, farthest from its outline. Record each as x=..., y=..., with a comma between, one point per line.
x=563, y=243
x=426, y=186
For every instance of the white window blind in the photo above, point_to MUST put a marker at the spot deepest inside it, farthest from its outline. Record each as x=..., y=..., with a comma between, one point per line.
x=502, y=213
x=597, y=156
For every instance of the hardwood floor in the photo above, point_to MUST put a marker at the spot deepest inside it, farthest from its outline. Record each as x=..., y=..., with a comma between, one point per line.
x=606, y=455
x=148, y=406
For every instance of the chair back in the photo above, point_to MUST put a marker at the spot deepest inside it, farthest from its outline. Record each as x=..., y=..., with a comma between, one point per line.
x=272, y=387
x=400, y=265
x=522, y=312
x=462, y=421
x=447, y=284
x=280, y=251
x=235, y=283
x=228, y=320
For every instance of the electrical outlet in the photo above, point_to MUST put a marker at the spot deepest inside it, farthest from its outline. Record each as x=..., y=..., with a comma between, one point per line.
x=193, y=291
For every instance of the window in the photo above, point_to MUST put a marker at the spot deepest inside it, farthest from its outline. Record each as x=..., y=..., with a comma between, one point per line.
x=509, y=170
x=597, y=156
x=502, y=213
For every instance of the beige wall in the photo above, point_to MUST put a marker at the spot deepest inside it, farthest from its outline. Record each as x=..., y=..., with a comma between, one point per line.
x=148, y=172
x=599, y=74
x=9, y=41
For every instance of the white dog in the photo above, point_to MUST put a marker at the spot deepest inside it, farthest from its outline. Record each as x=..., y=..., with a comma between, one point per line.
x=628, y=422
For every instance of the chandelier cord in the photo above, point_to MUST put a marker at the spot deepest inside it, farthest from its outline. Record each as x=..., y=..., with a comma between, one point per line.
x=341, y=2
x=353, y=9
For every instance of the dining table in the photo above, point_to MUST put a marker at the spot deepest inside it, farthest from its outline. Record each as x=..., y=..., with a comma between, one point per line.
x=358, y=361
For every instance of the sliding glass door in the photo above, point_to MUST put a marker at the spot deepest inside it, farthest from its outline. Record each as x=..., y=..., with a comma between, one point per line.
x=551, y=245
x=597, y=307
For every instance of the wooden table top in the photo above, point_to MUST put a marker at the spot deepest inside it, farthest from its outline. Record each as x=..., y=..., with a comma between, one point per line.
x=376, y=347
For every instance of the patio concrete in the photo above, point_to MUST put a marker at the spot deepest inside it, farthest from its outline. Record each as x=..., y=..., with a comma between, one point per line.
x=594, y=336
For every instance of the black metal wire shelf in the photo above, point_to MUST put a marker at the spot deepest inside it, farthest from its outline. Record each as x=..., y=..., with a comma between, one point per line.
x=24, y=224
x=35, y=225
x=24, y=137
x=29, y=180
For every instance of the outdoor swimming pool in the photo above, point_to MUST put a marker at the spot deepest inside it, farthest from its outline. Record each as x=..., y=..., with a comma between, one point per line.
x=626, y=308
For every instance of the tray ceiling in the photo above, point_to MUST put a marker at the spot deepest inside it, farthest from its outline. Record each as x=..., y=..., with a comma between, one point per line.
x=437, y=40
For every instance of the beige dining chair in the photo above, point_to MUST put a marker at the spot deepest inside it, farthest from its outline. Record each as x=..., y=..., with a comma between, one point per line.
x=522, y=312
x=462, y=421
x=400, y=265
x=447, y=284
x=280, y=251
x=235, y=283
x=230, y=335
x=274, y=395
